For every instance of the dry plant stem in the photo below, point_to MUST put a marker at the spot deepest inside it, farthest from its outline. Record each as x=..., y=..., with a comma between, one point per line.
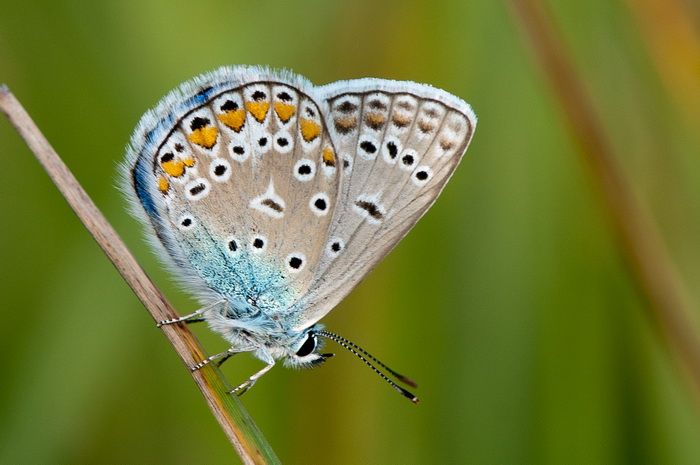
x=639, y=239
x=228, y=410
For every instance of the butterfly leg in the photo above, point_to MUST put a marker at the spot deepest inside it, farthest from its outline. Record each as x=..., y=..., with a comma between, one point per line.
x=225, y=355
x=224, y=359
x=255, y=377
x=190, y=318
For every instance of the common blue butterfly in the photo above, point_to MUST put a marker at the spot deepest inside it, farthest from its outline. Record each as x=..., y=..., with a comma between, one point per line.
x=271, y=198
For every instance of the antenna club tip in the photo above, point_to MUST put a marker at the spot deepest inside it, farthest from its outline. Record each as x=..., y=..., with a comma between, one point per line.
x=408, y=395
x=408, y=381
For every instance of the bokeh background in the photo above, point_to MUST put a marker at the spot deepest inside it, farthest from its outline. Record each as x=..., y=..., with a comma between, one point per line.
x=510, y=302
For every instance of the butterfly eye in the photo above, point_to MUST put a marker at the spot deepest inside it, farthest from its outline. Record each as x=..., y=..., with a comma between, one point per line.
x=308, y=346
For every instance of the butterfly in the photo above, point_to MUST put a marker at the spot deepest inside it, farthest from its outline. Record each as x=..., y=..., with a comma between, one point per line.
x=271, y=198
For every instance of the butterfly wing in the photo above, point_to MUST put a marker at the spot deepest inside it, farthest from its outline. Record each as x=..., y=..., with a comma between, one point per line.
x=398, y=144
x=233, y=180
x=263, y=188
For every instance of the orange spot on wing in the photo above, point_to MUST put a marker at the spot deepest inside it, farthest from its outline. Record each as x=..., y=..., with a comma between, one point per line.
x=174, y=168
x=204, y=137
x=163, y=184
x=189, y=162
x=346, y=123
x=233, y=119
x=375, y=120
x=258, y=110
x=309, y=129
x=426, y=127
x=400, y=120
x=284, y=110
x=328, y=157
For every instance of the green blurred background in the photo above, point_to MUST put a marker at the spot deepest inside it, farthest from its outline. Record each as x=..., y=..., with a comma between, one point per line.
x=509, y=303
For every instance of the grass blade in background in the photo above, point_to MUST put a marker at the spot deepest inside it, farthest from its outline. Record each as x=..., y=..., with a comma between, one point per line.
x=638, y=237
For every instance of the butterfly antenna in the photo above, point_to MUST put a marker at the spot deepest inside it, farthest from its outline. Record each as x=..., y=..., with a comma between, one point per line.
x=364, y=355
x=398, y=376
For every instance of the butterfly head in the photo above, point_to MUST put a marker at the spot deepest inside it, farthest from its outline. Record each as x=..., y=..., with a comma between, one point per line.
x=305, y=355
